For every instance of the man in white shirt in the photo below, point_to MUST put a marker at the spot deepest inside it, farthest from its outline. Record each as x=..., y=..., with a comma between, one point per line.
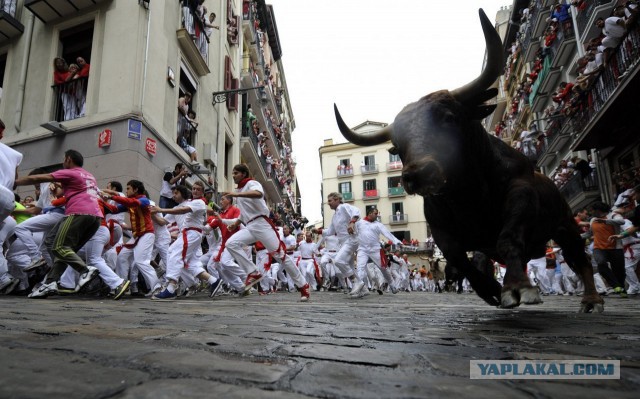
x=343, y=226
x=369, y=231
x=254, y=212
x=183, y=253
x=307, y=262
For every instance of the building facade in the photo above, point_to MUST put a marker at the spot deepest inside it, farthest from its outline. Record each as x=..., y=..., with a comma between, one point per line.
x=122, y=113
x=568, y=97
x=368, y=177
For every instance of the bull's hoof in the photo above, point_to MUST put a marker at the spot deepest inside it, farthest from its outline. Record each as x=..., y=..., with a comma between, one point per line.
x=530, y=296
x=591, y=308
x=509, y=299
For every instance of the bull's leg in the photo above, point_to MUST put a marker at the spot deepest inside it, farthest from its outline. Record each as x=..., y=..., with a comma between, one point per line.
x=573, y=251
x=519, y=213
x=486, y=287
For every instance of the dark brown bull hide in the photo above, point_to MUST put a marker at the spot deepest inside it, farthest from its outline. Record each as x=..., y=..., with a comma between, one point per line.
x=479, y=193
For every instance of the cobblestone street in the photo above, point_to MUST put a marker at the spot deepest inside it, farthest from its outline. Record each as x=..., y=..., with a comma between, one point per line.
x=408, y=345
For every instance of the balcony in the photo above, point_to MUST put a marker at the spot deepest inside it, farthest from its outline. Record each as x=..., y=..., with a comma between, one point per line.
x=369, y=169
x=397, y=192
x=347, y=197
x=395, y=165
x=194, y=42
x=10, y=27
x=579, y=191
x=546, y=82
x=69, y=99
x=564, y=45
x=370, y=195
x=587, y=17
x=252, y=154
x=401, y=218
x=345, y=172
x=596, y=121
x=51, y=10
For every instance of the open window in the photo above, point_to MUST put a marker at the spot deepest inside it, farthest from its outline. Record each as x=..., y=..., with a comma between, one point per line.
x=187, y=117
x=71, y=72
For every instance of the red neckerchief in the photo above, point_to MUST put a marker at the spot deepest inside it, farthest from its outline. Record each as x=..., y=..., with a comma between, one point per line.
x=200, y=198
x=308, y=241
x=244, y=182
x=370, y=221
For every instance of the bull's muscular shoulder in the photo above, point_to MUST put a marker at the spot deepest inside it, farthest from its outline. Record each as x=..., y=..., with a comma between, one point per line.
x=509, y=163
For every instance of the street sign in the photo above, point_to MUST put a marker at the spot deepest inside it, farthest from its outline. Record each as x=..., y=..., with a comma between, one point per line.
x=135, y=130
x=104, y=138
x=151, y=146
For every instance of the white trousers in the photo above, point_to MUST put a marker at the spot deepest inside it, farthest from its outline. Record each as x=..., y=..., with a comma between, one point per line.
x=344, y=257
x=539, y=269
x=366, y=254
x=183, y=256
x=6, y=228
x=260, y=230
x=138, y=257
x=37, y=224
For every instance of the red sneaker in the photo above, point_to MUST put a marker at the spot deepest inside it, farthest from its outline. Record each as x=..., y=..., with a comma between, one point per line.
x=304, y=293
x=252, y=279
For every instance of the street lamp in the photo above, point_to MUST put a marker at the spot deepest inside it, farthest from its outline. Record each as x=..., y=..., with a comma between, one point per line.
x=222, y=96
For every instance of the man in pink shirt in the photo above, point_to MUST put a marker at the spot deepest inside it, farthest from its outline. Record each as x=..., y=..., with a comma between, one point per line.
x=81, y=221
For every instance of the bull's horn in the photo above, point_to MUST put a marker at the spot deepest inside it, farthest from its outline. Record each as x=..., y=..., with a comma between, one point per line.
x=366, y=140
x=470, y=92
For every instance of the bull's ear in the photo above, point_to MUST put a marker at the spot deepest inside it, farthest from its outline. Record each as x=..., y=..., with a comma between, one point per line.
x=393, y=150
x=482, y=111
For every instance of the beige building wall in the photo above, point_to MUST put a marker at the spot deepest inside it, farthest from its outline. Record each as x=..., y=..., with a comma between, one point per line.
x=132, y=51
x=389, y=196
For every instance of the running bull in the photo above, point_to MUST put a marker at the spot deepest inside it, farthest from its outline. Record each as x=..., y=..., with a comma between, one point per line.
x=479, y=193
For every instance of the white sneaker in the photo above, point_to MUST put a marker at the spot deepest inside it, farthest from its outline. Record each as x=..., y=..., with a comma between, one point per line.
x=357, y=287
x=36, y=263
x=86, y=277
x=5, y=281
x=44, y=290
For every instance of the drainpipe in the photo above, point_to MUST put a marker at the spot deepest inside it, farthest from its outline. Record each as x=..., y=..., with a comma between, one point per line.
x=23, y=71
x=146, y=57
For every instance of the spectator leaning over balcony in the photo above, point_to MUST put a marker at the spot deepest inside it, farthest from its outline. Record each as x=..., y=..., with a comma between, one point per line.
x=81, y=87
x=209, y=26
x=613, y=29
x=62, y=75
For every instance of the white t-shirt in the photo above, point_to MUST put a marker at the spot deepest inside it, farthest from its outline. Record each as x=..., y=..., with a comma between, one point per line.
x=340, y=221
x=195, y=218
x=250, y=208
x=9, y=161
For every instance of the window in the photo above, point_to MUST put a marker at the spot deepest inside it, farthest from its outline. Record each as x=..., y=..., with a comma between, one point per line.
x=369, y=185
x=230, y=83
x=404, y=236
x=369, y=160
x=394, y=182
x=344, y=167
x=75, y=56
x=344, y=187
x=397, y=211
x=394, y=158
x=187, y=117
x=227, y=159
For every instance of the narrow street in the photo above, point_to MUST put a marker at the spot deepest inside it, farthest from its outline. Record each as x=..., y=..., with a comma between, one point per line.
x=409, y=345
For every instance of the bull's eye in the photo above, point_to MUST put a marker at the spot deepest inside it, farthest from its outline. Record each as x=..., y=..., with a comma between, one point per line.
x=393, y=150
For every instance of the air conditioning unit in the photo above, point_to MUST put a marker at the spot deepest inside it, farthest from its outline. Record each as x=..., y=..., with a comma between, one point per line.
x=210, y=155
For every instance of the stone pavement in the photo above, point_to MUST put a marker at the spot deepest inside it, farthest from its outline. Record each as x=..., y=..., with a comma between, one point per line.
x=409, y=345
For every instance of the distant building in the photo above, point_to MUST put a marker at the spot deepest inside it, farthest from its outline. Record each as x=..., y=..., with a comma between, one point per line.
x=369, y=177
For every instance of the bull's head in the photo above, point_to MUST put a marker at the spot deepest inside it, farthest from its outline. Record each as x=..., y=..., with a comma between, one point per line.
x=427, y=134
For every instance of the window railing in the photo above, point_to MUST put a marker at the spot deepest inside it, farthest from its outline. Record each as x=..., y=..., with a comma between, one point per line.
x=396, y=191
x=186, y=136
x=344, y=171
x=370, y=194
x=584, y=15
x=624, y=59
x=577, y=184
x=395, y=165
x=69, y=99
x=347, y=196
x=194, y=25
x=369, y=168
x=9, y=6
x=398, y=218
